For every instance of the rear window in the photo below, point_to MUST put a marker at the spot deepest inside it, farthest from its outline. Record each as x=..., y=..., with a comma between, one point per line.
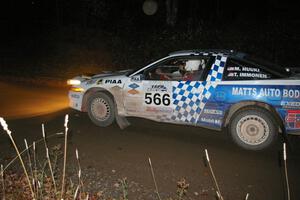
x=240, y=70
x=274, y=68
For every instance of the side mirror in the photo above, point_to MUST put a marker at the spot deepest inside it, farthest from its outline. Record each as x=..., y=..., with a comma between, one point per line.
x=137, y=78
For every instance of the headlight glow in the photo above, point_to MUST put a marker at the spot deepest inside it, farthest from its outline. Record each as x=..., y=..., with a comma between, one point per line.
x=73, y=82
x=77, y=89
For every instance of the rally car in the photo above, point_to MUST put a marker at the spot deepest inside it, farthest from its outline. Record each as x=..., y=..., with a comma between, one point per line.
x=216, y=89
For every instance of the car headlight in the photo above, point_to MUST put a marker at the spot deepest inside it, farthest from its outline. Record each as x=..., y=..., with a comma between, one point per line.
x=73, y=82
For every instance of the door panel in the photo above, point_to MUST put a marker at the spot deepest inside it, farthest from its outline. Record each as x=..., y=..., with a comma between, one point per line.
x=191, y=97
x=176, y=101
x=148, y=99
x=133, y=97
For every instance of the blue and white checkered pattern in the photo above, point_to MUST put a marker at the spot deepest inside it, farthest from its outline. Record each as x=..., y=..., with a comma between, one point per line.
x=216, y=72
x=190, y=97
x=164, y=118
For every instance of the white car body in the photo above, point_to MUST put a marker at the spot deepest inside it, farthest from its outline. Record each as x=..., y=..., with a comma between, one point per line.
x=209, y=102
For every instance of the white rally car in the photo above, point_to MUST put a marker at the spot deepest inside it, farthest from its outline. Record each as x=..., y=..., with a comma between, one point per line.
x=255, y=100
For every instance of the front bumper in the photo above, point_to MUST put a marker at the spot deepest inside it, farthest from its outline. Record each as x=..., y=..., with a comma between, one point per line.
x=75, y=100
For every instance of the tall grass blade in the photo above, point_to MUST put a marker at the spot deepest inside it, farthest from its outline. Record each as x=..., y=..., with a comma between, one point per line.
x=35, y=142
x=35, y=170
x=29, y=158
x=5, y=127
x=2, y=181
x=154, y=180
x=76, y=192
x=247, y=196
x=213, y=176
x=65, y=157
x=49, y=160
x=286, y=172
x=80, y=182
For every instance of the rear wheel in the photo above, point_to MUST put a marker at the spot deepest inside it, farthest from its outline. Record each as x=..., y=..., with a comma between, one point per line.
x=101, y=109
x=253, y=128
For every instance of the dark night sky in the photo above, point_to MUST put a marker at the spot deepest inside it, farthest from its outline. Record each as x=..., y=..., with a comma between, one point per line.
x=45, y=11
x=269, y=28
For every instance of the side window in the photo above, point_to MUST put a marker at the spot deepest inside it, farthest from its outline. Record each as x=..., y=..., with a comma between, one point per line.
x=238, y=70
x=179, y=69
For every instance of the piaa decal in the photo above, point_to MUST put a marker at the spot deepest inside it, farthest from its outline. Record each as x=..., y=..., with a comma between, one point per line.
x=108, y=81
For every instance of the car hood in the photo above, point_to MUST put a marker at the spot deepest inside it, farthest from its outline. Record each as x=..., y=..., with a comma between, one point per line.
x=103, y=75
x=110, y=73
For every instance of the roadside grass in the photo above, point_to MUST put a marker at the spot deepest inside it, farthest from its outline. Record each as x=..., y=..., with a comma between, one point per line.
x=44, y=178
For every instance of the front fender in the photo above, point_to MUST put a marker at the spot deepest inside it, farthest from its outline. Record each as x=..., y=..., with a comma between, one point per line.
x=115, y=93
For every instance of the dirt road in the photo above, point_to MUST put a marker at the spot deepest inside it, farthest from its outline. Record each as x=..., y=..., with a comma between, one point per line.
x=108, y=154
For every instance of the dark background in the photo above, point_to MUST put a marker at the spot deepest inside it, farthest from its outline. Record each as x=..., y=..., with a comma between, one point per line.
x=69, y=37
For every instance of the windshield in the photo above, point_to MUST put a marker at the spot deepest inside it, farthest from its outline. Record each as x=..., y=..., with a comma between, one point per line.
x=140, y=67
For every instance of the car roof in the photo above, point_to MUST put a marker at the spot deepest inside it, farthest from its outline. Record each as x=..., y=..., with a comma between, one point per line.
x=202, y=51
x=268, y=66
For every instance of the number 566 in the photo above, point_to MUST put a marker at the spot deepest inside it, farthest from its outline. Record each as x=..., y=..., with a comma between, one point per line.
x=157, y=99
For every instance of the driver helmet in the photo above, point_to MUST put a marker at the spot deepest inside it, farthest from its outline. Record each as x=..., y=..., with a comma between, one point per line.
x=192, y=65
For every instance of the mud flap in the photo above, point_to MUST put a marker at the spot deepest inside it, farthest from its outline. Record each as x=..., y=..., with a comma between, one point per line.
x=122, y=122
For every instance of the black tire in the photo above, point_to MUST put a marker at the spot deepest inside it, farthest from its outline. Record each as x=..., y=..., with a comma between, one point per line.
x=253, y=128
x=101, y=109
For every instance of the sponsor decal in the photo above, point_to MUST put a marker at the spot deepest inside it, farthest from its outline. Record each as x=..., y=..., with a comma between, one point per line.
x=265, y=92
x=213, y=112
x=133, y=87
x=90, y=82
x=99, y=82
x=76, y=96
x=220, y=96
x=116, y=88
x=253, y=75
x=159, y=109
x=246, y=72
x=290, y=104
x=112, y=81
x=247, y=75
x=136, y=78
x=293, y=119
x=157, y=88
x=133, y=92
x=244, y=69
x=131, y=110
x=233, y=69
x=291, y=93
x=210, y=120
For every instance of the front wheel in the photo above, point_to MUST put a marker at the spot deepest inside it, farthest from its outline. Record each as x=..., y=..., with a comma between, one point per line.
x=253, y=129
x=101, y=109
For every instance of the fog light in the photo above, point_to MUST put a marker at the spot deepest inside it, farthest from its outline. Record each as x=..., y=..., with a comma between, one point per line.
x=77, y=89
